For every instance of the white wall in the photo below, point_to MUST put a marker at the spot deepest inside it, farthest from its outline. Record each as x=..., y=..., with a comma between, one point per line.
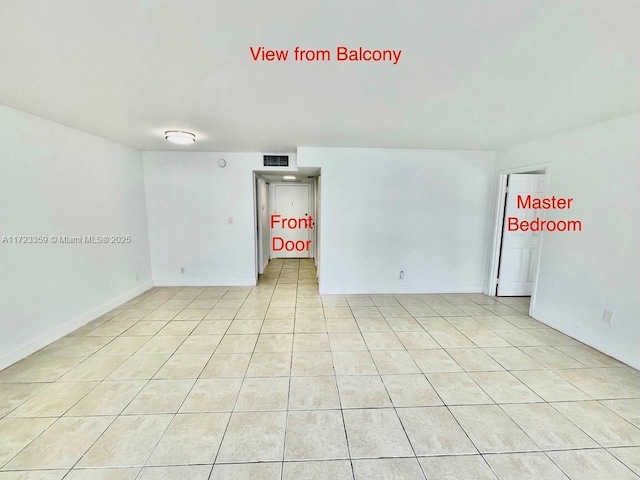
x=425, y=212
x=189, y=202
x=55, y=180
x=583, y=273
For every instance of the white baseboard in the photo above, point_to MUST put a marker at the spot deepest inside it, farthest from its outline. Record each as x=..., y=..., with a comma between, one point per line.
x=631, y=358
x=67, y=327
x=245, y=282
x=395, y=290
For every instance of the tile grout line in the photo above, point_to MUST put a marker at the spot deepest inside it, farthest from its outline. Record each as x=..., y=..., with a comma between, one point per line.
x=233, y=409
x=335, y=379
x=286, y=421
x=393, y=406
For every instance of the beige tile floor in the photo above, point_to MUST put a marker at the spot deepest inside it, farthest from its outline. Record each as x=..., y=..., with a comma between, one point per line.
x=277, y=382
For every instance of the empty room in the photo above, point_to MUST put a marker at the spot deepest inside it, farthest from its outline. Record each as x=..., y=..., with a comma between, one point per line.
x=319, y=240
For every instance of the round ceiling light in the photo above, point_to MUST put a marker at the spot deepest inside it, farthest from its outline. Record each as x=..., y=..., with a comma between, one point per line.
x=180, y=137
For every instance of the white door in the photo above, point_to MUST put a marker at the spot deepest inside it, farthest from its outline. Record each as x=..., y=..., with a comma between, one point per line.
x=290, y=202
x=519, y=250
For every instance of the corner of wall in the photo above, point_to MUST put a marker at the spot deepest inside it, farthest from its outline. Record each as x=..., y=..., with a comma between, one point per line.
x=61, y=330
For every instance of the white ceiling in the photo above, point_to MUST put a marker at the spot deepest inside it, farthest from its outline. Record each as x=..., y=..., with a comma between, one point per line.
x=474, y=74
x=302, y=174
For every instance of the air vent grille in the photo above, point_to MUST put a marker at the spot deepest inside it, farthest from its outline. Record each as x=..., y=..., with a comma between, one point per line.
x=275, y=160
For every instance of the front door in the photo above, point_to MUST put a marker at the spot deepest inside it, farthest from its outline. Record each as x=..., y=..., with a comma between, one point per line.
x=290, y=201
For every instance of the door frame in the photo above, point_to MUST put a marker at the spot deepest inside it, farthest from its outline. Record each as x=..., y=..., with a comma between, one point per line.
x=312, y=211
x=262, y=257
x=496, y=245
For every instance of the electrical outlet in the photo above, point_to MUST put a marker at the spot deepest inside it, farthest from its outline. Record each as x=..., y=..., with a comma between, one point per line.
x=401, y=274
x=230, y=220
x=137, y=277
x=181, y=269
x=607, y=317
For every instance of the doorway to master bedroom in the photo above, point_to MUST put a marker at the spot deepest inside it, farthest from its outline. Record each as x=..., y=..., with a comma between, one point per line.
x=516, y=254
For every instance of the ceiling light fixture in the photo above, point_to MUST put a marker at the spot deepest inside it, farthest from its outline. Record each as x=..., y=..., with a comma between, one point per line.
x=180, y=137
x=288, y=177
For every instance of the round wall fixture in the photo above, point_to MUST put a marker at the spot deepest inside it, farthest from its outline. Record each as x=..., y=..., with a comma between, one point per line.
x=222, y=162
x=180, y=137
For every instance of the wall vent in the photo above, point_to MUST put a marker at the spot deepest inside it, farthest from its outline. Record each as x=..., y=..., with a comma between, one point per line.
x=275, y=160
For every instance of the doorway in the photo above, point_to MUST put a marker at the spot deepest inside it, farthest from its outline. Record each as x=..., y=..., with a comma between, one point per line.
x=300, y=188
x=292, y=221
x=516, y=254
